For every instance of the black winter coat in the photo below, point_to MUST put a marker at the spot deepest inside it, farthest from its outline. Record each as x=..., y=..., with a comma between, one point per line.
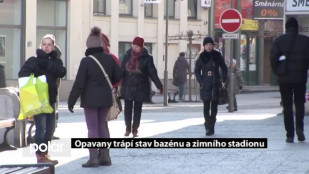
x=207, y=74
x=53, y=71
x=90, y=82
x=298, y=59
x=136, y=86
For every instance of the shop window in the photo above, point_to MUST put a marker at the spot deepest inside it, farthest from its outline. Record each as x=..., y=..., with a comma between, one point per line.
x=192, y=9
x=11, y=52
x=149, y=47
x=171, y=9
x=123, y=47
x=125, y=8
x=99, y=7
x=52, y=19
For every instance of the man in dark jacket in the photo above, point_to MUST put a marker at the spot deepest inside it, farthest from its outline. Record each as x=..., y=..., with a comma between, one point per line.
x=180, y=71
x=138, y=66
x=207, y=74
x=293, y=47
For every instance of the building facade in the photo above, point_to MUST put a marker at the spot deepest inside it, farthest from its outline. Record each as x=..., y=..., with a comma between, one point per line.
x=24, y=22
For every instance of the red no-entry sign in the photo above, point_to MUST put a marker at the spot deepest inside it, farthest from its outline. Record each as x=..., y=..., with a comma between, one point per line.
x=230, y=20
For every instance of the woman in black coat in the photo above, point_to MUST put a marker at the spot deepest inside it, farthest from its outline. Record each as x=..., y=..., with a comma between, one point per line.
x=95, y=94
x=138, y=66
x=46, y=63
x=207, y=74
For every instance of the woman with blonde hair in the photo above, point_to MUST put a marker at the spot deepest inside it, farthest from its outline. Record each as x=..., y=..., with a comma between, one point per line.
x=45, y=63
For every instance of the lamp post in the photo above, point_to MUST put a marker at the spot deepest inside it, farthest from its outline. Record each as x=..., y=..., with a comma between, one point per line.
x=166, y=56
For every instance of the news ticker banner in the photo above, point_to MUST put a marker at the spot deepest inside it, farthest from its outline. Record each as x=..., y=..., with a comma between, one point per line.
x=169, y=143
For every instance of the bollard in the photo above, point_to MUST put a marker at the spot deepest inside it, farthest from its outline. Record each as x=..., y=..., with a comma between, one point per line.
x=2, y=77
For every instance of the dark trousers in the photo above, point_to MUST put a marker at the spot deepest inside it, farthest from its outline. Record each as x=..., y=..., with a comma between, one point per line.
x=213, y=105
x=293, y=93
x=44, y=128
x=128, y=106
x=96, y=123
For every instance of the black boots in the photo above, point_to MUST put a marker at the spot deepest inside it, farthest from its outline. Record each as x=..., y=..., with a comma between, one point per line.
x=300, y=135
x=210, y=126
x=104, y=158
x=93, y=159
x=289, y=139
x=98, y=158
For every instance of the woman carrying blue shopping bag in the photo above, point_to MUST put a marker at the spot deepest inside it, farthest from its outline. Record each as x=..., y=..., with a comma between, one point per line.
x=45, y=63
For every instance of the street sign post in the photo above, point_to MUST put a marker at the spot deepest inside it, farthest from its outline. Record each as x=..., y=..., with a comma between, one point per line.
x=230, y=20
x=230, y=35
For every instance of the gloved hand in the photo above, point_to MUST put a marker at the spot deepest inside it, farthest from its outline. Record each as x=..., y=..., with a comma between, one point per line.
x=223, y=85
x=43, y=64
x=240, y=87
x=70, y=107
x=161, y=90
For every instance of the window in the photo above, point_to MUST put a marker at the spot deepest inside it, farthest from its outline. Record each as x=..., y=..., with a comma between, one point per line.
x=125, y=7
x=99, y=7
x=171, y=9
x=123, y=47
x=52, y=19
x=149, y=47
x=192, y=9
x=11, y=37
x=148, y=10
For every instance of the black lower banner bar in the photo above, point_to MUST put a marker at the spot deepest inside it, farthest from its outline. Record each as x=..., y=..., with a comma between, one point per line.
x=169, y=142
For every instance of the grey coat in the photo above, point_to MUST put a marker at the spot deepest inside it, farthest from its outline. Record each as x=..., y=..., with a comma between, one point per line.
x=239, y=82
x=181, y=69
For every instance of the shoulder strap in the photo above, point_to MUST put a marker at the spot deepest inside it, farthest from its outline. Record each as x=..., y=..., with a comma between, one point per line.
x=291, y=47
x=103, y=71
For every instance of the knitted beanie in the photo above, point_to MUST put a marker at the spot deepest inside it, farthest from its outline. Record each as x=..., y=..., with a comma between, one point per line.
x=207, y=40
x=105, y=39
x=138, y=41
x=94, y=38
x=49, y=36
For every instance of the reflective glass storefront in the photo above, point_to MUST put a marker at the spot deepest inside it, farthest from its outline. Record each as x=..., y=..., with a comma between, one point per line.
x=10, y=37
x=52, y=19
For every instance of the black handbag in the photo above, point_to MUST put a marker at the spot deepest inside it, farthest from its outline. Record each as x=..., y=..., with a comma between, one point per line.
x=175, y=82
x=282, y=67
x=223, y=96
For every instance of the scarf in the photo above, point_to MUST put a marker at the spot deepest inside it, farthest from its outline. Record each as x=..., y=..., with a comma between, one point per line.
x=133, y=64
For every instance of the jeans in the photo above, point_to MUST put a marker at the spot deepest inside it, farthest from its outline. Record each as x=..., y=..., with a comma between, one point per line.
x=181, y=90
x=128, y=106
x=96, y=123
x=45, y=125
x=293, y=92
